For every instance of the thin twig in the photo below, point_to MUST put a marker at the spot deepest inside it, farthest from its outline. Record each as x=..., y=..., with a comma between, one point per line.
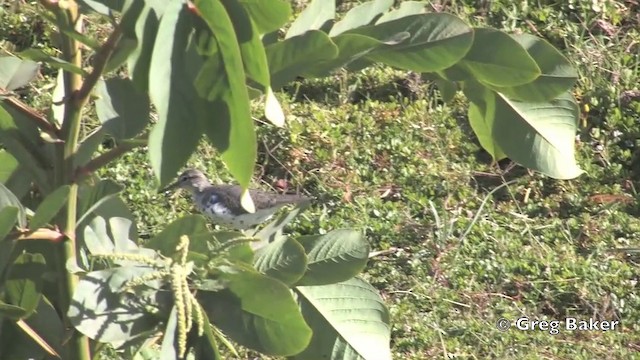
x=101, y=60
x=110, y=155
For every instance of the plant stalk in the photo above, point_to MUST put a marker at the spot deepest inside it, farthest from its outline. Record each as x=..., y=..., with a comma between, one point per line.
x=77, y=94
x=68, y=16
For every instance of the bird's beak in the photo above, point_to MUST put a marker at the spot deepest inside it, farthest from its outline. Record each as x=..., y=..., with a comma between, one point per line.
x=168, y=187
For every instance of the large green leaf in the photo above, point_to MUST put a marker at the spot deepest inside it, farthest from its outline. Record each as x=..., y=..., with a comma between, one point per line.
x=318, y=15
x=257, y=312
x=273, y=231
x=176, y=134
x=292, y=57
x=283, y=259
x=8, y=218
x=94, y=194
x=194, y=226
x=206, y=347
x=211, y=80
x=236, y=245
x=89, y=147
x=8, y=199
x=100, y=199
x=124, y=48
x=436, y=41
x=267, y=15
x=111, y=210
x=132, y=12
x=49, y=207
x=122, y=110
x=102, y=7
x=8, y=165
x=406, y=8
x=13, y=175
x=96, y=238
x=253, y=57
x=336, y=256
x=351, y=48
x=39, y=55
x=102, y=237
x=495, y=59
x=238, y=149
x=251, y=48
x=6, y=246
x=40, y=333
x=538, y=135
x=557, y=76
x=24, y=284
x=144, y=31
x=483, y=130
x=102, y=312
x=45, y=328
x=349, y=321
x=22, y=122
x=12, y=311
x=360, y=15
x=71, y=32
x=272, y=109
x=21, y=138
x=169, y=349
x=20, y=181
x=16, y=73
x=448, y=89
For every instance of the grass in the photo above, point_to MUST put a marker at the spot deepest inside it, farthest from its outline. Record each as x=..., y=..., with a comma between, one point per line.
x=381, y=153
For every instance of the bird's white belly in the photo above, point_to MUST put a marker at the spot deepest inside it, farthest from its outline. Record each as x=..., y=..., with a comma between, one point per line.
x=215, y=209
x=220, y=214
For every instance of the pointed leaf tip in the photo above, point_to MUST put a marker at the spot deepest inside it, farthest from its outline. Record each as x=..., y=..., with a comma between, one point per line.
x=247, y=202
x=272, y=109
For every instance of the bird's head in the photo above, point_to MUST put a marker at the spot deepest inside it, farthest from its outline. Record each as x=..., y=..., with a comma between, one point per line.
x=191, y=179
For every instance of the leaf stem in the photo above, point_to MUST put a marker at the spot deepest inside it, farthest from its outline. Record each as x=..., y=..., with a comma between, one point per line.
x=112, y=154
x=101, y=59
x=80, y=97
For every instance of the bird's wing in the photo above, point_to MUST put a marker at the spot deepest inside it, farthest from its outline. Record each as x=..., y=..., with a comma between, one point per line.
x=230, y=196
x=261, y=199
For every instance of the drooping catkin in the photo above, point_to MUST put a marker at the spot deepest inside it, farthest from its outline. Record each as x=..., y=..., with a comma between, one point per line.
x=177, y=278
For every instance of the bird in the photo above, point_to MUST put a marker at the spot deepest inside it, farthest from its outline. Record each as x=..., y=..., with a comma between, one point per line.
x=221, y=203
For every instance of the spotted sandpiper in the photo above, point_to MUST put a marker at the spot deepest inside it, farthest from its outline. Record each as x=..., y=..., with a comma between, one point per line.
x=221, y=203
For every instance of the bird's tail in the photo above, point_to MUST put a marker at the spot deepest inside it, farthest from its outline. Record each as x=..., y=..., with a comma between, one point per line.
x=292, y=199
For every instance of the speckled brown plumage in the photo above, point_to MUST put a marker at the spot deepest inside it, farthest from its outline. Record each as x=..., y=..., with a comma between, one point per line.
x=221, y=203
